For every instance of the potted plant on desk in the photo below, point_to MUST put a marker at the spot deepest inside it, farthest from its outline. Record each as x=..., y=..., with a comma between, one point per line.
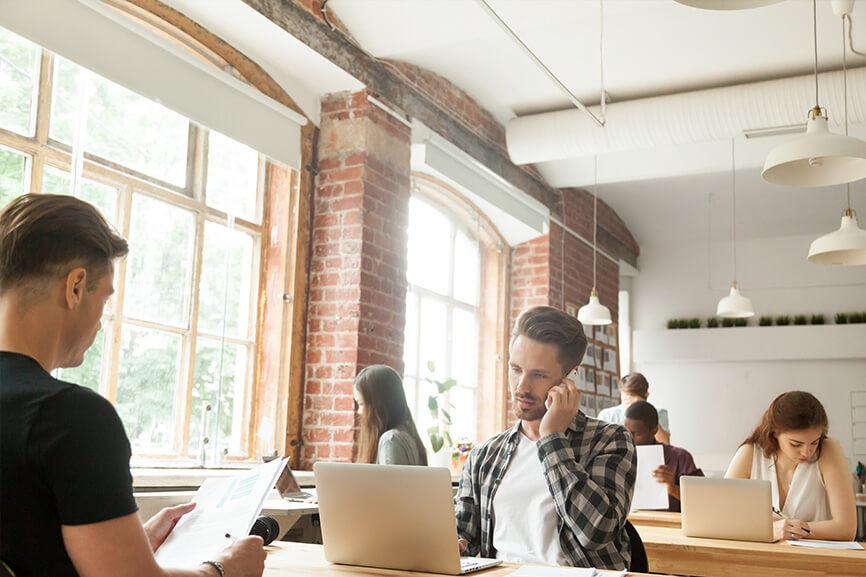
x=438, y=433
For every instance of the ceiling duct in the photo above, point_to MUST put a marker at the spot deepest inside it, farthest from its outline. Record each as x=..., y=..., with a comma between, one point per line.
x=684, y=118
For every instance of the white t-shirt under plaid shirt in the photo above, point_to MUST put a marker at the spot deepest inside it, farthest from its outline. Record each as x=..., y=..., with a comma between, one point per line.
x=523, y=496
x=589, y=471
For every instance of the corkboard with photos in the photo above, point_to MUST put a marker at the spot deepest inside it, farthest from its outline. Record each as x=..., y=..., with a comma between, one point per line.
x=598, y=374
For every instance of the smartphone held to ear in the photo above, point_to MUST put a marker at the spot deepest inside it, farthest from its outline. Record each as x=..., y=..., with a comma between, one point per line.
x=572, y=376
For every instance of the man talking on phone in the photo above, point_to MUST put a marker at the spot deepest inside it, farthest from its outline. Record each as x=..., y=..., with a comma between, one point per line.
x=556, y=487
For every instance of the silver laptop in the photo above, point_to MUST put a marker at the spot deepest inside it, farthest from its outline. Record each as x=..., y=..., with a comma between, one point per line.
x=739, y=509
x=288, y=488
x=391, y=517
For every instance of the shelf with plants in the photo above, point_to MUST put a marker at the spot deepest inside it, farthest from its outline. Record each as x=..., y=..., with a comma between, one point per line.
x=781, y=341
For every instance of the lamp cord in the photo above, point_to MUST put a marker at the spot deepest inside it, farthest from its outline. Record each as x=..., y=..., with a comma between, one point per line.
x=734, y=207
x=594, y=218
x=815, y=44
x=845, y=96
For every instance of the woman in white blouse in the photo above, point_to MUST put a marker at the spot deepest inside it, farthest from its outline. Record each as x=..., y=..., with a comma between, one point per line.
x=808, y=471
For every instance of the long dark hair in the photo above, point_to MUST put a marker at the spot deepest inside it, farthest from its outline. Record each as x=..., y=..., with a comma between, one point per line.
x=385, y=408
x=792, y=411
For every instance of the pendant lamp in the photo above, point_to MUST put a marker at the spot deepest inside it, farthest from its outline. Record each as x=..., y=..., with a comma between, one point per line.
x=819, y=158
x=846, y=246
x=727, y=4
x=594, y=313
x=735, y=305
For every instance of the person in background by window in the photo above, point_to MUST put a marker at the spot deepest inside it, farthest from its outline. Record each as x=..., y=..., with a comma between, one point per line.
x=388, y=433
x=808, y=471
x=66, y=504
x=642, y=421
x=556, y=487
x=634, y=387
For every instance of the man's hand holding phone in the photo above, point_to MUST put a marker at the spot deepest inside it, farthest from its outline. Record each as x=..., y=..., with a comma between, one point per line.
x=563, y=405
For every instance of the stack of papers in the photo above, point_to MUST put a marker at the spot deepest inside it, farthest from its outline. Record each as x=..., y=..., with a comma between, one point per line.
x=816, y=544
x=547, y=571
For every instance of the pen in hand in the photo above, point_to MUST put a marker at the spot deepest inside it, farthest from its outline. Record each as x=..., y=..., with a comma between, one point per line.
x=229, y=536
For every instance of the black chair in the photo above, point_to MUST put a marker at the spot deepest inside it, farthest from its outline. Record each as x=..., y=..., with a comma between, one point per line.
x=639, y=561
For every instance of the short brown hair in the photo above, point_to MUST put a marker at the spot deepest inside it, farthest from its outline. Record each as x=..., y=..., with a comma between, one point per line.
x=551, y=325
x=635, y=384
x=792, y=411
x=43, y=234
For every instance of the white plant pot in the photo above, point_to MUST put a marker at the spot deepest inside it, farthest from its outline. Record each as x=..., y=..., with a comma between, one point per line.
x=440, y=459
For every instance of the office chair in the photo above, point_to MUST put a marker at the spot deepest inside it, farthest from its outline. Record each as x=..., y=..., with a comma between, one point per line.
x=639, y=561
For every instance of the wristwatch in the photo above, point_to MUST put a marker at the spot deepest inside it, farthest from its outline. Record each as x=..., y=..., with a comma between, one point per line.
x=216, y=564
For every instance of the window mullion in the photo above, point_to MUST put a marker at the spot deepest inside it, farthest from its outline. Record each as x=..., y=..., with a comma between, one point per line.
x=113, y=352
x=198, y=153
x=43, y=106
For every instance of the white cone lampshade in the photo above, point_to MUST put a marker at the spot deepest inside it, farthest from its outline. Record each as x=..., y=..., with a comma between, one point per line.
x=735, y=305
x=594, y=313
x=727, y=4
x=819, y=158
x=846, y=246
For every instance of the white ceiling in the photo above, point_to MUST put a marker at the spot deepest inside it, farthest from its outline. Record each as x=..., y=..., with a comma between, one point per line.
x=651, y=47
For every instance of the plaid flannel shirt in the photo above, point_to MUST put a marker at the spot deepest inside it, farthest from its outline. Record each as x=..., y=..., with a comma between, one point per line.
x=590, y=471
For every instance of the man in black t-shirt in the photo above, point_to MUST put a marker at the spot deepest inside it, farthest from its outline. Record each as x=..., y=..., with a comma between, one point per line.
x=66, y=504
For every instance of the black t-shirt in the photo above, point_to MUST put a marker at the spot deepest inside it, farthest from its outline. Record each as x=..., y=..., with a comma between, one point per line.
x=64, y=460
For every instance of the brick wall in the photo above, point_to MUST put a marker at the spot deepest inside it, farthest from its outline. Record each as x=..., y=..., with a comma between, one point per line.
x=356, y=307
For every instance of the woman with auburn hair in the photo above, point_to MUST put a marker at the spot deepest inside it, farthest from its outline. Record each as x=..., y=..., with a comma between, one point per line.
x=808, y=472
x=388, y=433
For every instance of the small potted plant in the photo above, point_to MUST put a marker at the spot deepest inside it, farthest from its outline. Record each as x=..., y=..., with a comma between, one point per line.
x=712, y=323
x=673, y=324
x=741, y=322
x=783, y=321
x=727, y=322
x=694, y=323
x=765, y=321
x=439, y=435
x=800, y=320
x=817, y=319
x=855, y=318
x=841, y=318
x=682, y=323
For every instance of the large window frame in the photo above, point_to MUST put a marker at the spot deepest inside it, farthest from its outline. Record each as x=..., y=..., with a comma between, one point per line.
x=268, y=340
x=491, y=311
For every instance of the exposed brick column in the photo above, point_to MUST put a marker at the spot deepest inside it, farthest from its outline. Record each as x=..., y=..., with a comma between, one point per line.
x=358, y=267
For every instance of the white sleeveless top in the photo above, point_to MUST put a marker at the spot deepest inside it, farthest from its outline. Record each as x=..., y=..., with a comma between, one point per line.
x=807, y=496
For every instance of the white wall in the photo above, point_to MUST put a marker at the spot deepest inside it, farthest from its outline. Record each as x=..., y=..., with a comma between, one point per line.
x=714, y=405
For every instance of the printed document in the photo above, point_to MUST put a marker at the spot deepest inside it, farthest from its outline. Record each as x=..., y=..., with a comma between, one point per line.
x=648, y=492
x=224, y=506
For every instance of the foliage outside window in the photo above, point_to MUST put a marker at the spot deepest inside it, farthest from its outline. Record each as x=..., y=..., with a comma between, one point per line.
x=180, y=331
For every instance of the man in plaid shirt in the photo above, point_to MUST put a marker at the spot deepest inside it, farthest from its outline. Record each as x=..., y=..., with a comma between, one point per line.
x=556, y=487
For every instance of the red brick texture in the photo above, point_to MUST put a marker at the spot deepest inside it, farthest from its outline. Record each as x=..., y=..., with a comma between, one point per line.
x=356, y=307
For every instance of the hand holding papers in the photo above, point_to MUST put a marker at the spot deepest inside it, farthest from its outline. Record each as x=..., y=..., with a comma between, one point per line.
x=224, y=506
x=648, y=492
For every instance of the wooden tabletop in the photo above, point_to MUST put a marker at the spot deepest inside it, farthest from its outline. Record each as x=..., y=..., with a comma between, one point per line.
x=303, y=560
x=669, y=551
x=656, y=519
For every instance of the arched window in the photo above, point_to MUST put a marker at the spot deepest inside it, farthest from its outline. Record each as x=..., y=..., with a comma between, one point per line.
x=456, y=313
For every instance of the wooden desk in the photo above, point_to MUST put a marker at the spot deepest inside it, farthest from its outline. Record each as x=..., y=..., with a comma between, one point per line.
x=656, y=519
x=669, y=551
x=301, y=560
